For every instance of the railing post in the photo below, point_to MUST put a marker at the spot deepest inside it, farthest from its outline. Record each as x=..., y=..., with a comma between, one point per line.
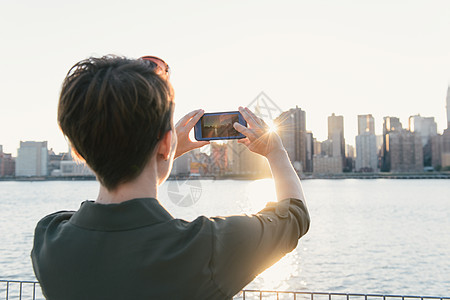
x=7, y=290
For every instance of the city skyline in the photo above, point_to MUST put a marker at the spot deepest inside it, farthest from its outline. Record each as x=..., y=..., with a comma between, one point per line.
x=413, y=148
x=337, y=120
x=324, y=56
x=378, y=132
x=350, y=140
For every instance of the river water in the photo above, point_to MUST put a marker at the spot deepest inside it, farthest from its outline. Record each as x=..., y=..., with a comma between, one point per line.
x=366, y=236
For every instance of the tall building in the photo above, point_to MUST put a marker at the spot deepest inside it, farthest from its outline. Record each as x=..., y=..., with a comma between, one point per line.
x=329, y=155
x=426, y=127
x=242, y=161
x=390, y=124
x=445, y=155
x=366, y=123
x=366, y=152
x=7, y=164
x=366, y=145
x=350, y=154
x=405, y=150
x=440, y=144
x=309, y=152
x=32, y=158
x=291, y=126
x=437, y=149
x=336, y=135
x=448, y=107
x=218, y=158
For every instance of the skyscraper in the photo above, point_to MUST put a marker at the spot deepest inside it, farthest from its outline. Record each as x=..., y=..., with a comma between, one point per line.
x=448, y=107
x=7, y=163
x=390, y=124
x=405, y=151
x=336, y=135
x=366, y=123
x=366, y=145
x=426, y=128
x=32, y=158
x=440, y=145
x=292, y=130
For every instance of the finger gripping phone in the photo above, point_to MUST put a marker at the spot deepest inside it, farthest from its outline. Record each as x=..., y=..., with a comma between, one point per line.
x=219, y=126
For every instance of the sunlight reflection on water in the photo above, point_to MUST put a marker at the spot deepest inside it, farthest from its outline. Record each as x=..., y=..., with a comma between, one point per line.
x=367, y=236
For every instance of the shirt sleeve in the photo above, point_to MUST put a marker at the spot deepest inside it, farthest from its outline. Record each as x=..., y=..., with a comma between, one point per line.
x=245, y=245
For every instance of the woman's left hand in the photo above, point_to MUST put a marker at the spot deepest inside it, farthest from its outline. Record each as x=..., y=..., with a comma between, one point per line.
x=183, y=127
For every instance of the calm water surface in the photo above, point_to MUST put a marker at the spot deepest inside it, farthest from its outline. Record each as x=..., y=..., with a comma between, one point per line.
x=366, y=236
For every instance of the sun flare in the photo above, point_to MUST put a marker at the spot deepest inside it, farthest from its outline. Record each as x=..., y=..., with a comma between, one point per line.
x=272, y=127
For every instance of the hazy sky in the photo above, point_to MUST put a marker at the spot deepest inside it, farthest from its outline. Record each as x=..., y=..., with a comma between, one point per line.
x=387, y=58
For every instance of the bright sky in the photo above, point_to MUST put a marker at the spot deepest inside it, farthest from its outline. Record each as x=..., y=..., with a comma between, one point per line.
x=384, y=57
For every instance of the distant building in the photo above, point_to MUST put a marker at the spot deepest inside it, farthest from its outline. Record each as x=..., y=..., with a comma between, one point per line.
x=291, y=126
x=440, y=147
x=54, y=161
x=366, y=153
x=309, y=163
x=436, y=151
x=317, y=147
x=336, y=135
x=390, y=124
x=242, y=161
x=426, y=127
x=349, y=164
x=445, y=156
x=219, y=158
x=405, y=151
x=448, y=107
x=327, y=164
x=199, y=162
x=7, y=164
x=73, y=168
x=366, y=145
x=32, y=159
x=181, y=166
x=366, y=124
x=329, y=155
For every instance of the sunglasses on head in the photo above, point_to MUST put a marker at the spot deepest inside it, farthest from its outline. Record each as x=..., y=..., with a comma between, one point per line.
x=161, y=67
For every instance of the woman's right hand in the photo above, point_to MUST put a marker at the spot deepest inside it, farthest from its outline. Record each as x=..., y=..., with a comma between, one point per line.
x=259, y=138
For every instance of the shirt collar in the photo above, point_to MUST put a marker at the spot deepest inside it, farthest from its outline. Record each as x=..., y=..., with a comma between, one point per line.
x=123, y=216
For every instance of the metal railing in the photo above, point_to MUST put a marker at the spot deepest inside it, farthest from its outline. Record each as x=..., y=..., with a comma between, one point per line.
x=18, y=290
x=296, y=295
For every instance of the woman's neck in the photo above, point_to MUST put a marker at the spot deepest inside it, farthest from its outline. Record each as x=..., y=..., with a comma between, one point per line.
x=144, y=186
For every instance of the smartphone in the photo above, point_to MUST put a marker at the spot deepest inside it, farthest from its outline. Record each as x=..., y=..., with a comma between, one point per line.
x=219, y=126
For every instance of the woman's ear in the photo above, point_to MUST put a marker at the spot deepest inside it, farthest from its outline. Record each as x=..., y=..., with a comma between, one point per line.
x=165, y=146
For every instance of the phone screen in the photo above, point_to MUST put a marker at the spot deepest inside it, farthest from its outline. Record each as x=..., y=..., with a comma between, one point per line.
x=219, y=125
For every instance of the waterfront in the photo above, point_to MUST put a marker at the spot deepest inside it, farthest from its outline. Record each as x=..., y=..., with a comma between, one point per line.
x=368, y=236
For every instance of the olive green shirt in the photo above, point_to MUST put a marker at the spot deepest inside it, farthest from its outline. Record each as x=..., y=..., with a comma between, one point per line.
x=137, y=250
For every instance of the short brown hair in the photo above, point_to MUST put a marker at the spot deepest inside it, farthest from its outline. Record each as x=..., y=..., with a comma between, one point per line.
x=114, y=111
